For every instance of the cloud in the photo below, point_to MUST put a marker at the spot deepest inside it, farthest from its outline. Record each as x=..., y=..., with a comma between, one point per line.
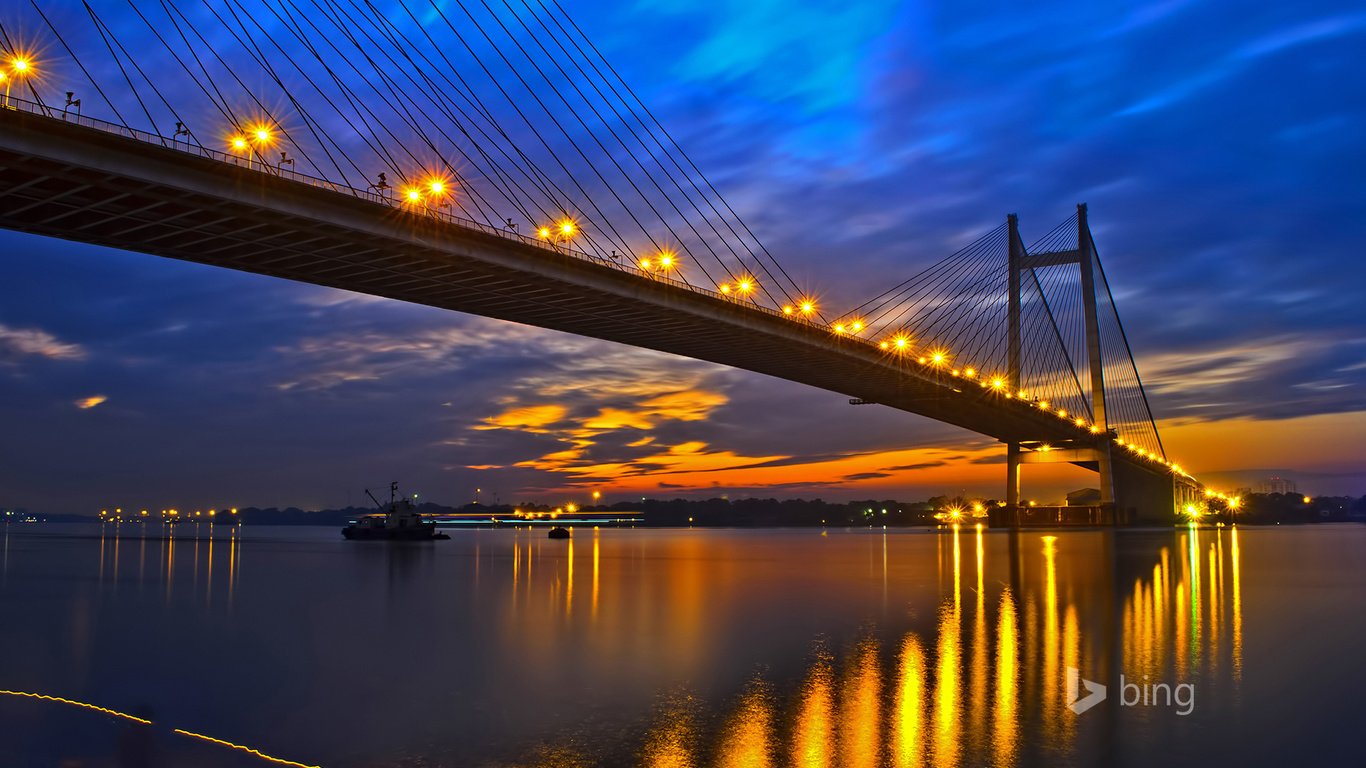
x=17, y=342
x=90, y=402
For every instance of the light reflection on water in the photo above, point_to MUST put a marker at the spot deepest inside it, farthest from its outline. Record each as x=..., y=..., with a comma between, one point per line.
x=970, y=701
x=654, y=648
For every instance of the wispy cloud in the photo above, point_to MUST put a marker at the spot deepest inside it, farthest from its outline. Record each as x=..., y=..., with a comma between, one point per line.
x=24, y=342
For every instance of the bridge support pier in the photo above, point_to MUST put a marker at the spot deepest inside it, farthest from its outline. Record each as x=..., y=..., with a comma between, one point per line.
x=1012, y=476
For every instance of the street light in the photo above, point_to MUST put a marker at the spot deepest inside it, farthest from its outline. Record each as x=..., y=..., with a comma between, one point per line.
x=19, y=67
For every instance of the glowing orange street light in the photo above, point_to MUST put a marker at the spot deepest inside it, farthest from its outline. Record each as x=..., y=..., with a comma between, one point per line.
x=438, y=187
x=413, y=195
x=20, y=66
x=808, y=306
x=787, y=310
x=545, y=233
x=856, y=326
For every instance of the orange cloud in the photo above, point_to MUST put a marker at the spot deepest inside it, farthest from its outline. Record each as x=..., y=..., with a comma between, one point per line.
x=533, y=418
x=90, y=402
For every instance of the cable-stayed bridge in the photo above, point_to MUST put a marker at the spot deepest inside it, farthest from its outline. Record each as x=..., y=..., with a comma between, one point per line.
x=375, y=159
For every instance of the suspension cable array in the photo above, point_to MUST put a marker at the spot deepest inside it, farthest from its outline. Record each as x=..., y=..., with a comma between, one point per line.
x=504, y=114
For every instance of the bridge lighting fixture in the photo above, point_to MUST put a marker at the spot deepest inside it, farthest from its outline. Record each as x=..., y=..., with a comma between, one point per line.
x=969, y=372
x=1081, y=423
x=1062, y=413
x=787, y=310
x=808, y=306
x=883, y=345
x=666, y=260
x=839, y=328
x=262, y=135
x=997, y=383
x=857, y=326
x=745, y=286
x=20, y=65
x=645, y=264
x=567, y=228
x=239, y=143
x=438, y=187
x=545, y=233
x=725, y=289
x=901, y=342
x=938, y=357
x=413, y=195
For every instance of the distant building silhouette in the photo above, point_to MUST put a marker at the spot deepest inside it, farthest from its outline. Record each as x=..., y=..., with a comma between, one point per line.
x=1277, y=485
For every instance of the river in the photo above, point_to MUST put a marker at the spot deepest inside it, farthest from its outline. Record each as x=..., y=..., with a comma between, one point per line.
x=667, y=647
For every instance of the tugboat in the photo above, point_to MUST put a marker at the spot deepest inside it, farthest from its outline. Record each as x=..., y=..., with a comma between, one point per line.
x=399, y=521
x=559, y=533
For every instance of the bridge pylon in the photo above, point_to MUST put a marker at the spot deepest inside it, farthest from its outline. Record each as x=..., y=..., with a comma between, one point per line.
x=1096, y=455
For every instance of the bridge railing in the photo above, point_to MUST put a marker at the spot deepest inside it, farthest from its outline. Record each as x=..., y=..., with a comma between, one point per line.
x=255, y=163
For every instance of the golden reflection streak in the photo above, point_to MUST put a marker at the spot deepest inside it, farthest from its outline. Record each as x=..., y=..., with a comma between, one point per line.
x=1195, y=590
x=749, y=734
x=208, y=580
x=170, y=563
x=1052, y=704
x=1005, y=733
x=101, y=551
x=1237, y=614
x=860, y=734
x=116, y=558
x=569, y=581
x=908, y=735
x=947, y=741
x=595, y=573
x=1214, y=600
x=232, y=565
x=1071, y=648
x=979, y=651
x=813, y=743
x=957, y=571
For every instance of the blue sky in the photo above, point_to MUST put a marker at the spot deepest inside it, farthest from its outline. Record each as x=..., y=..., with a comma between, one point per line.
x=1216, y=143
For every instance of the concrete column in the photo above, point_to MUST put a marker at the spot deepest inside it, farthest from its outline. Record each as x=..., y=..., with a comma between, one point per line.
x=1087, y=263
x=1016, y=253
x=1012, y=477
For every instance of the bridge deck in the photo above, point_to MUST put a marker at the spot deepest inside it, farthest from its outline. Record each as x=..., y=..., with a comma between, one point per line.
x=76, y=182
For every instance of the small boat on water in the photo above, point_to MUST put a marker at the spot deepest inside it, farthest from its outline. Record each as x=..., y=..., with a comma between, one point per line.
x=559, y=533
x=399, y=521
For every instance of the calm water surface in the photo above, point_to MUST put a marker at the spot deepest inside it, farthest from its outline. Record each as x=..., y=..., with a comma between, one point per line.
x=687, y=647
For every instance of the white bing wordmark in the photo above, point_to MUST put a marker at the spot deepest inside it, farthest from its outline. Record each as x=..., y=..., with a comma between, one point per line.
x=1095, y=692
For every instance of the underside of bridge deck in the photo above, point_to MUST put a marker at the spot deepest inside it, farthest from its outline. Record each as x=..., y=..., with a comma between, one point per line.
x=79, y=183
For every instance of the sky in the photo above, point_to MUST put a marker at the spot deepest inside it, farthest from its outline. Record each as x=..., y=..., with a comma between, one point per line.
x=1215, y=143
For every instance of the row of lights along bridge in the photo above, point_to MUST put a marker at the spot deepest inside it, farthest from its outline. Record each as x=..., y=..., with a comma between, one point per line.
x=435, y=192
